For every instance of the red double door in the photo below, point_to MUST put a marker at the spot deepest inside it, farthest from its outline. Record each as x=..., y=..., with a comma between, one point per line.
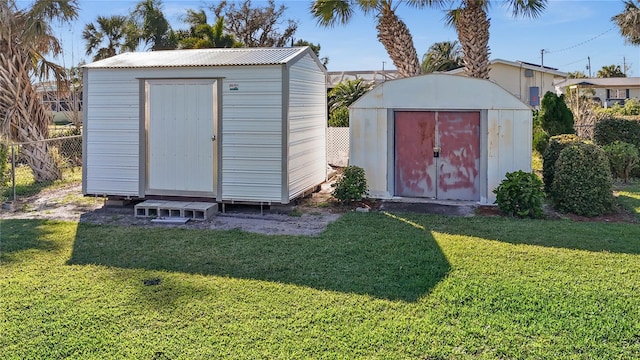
x=437, y=154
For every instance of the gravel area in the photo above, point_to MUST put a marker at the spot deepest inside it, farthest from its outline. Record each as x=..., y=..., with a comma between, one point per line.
x=310, y=217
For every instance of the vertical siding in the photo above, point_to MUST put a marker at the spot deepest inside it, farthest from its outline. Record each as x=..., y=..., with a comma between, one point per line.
x=509, y=142
x=369, y=147
x=307, y=160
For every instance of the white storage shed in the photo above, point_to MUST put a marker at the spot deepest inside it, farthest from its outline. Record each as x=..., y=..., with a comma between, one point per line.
x=234, y=125
x=442, y=137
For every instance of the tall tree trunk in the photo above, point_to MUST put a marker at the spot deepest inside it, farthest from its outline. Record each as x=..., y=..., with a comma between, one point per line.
x=26, y=120
x=473, y=32
x=396, y=39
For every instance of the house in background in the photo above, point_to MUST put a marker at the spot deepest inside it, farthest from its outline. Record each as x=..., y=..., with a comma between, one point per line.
x=528, y=82
x=607, y=90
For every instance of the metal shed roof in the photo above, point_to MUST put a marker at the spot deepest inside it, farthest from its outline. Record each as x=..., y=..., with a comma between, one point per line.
x=200, y=57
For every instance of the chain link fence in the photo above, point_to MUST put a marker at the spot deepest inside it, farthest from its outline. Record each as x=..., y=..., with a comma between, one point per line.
x=16, y=177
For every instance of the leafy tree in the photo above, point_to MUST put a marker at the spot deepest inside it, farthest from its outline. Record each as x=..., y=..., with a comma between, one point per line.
x=628, y=21
x=25, y=37
x=202, y=35
x=154, y=29
x=112, y=35
x=472, y=25
x=256, y=26
x=442, y=56
x=393, y=33
x=315, y=48
x=554, y=116
x=610, y=71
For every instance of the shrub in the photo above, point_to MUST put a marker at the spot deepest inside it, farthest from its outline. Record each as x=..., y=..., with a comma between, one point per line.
x=551, y=154
x=520, y=194
x=352, y=185
x=609, y=130
x=339, y=117
x=540, y=139
x=623, y=158
x=554, y=115
x=582, y=181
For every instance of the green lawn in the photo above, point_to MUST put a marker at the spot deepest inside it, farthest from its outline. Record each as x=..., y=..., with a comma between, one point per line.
x=371, y=286
x=629, y=197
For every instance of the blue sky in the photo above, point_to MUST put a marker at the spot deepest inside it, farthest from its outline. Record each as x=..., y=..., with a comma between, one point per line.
x=570, y=32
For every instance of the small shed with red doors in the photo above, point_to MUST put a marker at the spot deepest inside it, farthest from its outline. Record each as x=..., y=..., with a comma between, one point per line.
x=441, y=137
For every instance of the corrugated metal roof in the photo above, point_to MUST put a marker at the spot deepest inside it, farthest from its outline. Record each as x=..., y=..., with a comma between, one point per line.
x=200, y=57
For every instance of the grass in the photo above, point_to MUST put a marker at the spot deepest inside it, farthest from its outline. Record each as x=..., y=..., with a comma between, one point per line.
x=371, y=286
x=27, y=186
x=629, y=197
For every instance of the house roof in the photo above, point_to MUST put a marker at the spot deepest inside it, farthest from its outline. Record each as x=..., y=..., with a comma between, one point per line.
x=201, y=57
x=617, y=82
x=519, y=64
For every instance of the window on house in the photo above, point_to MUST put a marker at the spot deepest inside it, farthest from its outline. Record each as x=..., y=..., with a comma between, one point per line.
x=617, y=93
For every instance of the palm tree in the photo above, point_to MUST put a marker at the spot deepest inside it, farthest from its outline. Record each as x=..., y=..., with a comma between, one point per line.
x=341, y=96
x=25, y=38
x=202, y=35
x=442, y=56
x=610, y=71
x=119, y=32
x=629, y=21
x=392, y=32
x=347, y=92
x=154, y=28
x=472, y=25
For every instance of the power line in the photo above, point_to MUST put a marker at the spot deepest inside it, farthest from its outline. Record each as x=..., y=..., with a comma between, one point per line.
x=580, y=44
x=573, y=62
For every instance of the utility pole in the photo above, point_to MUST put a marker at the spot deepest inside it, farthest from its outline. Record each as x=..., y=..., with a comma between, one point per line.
x=589, y=66
x=542, y=57
x=624, y=65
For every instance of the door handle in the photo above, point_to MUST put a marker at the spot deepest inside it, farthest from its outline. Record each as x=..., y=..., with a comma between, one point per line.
x=213, y=138
x=436, y=151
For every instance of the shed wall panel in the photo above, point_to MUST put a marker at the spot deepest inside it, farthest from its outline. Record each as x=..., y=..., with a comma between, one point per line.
x=252, y=135
x=307, y=160
x=252, y=116
x=368, y=148
x=509, y=139
x=112, y=133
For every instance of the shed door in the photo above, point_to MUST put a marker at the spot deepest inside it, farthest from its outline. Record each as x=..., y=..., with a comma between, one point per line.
x=180, y=137
x=452, y=173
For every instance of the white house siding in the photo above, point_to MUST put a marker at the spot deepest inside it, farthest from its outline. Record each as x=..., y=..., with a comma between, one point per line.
x=307, y=162
x=252, y=134
x=508, y=150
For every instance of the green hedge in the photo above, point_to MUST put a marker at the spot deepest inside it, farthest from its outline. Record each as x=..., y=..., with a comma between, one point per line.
x=551, y=154
x=608, y=131
x=582, y=181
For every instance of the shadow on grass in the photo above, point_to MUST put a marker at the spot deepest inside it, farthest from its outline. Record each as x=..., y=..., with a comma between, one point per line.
x=19, y=236
x=363, y=254
x=589, y=236
x=630, y=203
